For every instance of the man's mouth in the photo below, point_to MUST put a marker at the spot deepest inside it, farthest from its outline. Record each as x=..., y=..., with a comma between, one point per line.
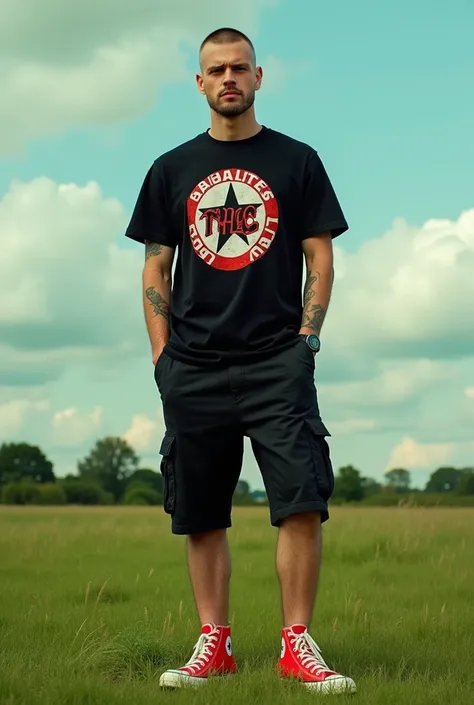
x=229, y=93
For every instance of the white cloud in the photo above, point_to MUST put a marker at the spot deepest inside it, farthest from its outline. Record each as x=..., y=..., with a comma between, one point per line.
x=72, y=427
x=99, y=62
x=63, y=279
x=116, y=84
x=145, y=433
x=16, y=413
x=392, y=383
x=412, y=455
x=407, y=293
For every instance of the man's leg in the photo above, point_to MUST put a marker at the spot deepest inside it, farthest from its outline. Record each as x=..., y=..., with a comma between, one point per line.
x=298, y=564
x=289, y=441
x=202, y=454
x=209, y=569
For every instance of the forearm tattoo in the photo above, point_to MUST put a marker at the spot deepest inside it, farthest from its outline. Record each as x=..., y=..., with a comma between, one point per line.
x=152, y=249
x=313, y=313
x=160, y=306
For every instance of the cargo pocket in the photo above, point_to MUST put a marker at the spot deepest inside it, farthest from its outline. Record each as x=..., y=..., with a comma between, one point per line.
x=322, y=464
x=167, y=468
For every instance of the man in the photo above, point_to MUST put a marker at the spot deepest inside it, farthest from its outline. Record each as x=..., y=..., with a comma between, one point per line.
x=233, y=347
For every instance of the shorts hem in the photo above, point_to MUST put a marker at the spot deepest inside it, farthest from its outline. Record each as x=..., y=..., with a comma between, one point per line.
x=300, y=508
x=189, y=529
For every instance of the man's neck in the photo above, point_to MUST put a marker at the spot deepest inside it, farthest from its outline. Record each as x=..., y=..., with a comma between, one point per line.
x=233, y=129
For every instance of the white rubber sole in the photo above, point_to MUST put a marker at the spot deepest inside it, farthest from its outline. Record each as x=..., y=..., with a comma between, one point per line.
x=171, y=680
x=333, y=686
x=176, y=679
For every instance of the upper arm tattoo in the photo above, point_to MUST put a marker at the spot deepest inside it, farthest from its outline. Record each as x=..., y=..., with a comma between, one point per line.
x=152, y=249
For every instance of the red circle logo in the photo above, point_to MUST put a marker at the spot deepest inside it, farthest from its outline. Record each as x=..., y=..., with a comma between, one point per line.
x=232, y=218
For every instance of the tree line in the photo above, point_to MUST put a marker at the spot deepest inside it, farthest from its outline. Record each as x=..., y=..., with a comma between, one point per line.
x=445, y=485
x=112, y=474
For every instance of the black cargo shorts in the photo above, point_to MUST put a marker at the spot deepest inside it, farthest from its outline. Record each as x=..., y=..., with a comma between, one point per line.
x=208, y=412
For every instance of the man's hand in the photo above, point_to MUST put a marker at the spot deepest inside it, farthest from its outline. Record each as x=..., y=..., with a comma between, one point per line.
x=156, y=355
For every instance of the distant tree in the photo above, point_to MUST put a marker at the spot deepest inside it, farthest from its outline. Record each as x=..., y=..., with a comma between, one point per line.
x=24, y=492
x=349, y=484
x=243, y=488
x=242, y=495
x=110, y=463
x=85, y=491
x=370, y=486
x=146, y=476
x=466, y=485
x=259, y=496
x=22, y=461
x=50, y=494
x=444, y=479
x=142, y=495
x=398, y=479
x=28, y=493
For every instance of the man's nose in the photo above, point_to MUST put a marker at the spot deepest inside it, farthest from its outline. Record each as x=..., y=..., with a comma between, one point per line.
x=229, y=77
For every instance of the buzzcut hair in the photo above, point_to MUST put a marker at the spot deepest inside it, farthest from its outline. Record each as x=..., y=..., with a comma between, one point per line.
x=227, y=35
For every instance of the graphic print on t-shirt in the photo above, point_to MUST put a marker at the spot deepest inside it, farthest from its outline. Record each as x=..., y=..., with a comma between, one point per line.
x=232, y=218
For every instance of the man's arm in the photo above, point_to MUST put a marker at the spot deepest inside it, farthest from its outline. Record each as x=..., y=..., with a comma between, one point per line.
x=318, y=254
x=156, y=280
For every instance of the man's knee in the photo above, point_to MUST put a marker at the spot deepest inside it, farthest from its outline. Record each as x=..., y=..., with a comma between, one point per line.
x=211, y=536
x=305, y=521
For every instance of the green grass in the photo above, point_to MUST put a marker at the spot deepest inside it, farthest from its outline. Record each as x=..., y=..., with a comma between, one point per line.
x=95, y=604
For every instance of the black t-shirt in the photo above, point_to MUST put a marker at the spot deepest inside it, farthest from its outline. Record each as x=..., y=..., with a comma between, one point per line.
x=237, y=211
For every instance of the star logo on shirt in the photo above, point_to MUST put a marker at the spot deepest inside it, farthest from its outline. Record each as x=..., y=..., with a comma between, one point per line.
x=232, y=218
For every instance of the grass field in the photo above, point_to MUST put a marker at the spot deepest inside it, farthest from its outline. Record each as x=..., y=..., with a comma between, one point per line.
x=95, y=604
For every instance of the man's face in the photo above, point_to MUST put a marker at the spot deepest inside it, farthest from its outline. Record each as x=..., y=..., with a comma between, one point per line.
x=229, y=77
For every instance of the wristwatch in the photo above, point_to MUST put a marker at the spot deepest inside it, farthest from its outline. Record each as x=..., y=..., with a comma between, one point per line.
x=312, y=341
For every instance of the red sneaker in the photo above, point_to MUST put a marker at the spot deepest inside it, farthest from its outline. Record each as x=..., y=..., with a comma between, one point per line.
x=301, y=658
x=212, y=656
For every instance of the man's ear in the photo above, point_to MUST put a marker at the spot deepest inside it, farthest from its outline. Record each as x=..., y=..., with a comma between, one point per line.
x=200, y=83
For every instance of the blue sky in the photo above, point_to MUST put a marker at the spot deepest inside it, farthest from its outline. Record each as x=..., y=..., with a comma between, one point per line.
x=382, y=90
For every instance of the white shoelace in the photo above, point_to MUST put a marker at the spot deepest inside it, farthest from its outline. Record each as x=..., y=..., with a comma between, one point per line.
x=308, y=652
x=203, y=650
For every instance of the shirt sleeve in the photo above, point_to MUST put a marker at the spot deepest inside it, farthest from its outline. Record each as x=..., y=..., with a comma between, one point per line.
x=321, y=209
x=151, y=217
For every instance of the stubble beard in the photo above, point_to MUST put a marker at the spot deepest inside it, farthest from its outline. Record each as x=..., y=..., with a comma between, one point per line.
x=232, y=109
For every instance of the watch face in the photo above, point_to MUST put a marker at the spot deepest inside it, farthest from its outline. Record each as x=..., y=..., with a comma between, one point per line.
x=313, y=342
